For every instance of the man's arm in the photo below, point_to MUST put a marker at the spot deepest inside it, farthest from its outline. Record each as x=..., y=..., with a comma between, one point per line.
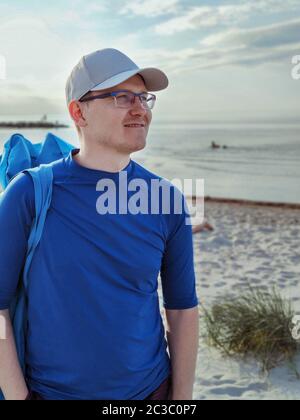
x=12, y=382
x=16, y=215
x=183, y=338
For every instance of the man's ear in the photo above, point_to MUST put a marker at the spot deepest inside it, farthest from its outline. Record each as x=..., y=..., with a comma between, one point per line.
x=76, y=112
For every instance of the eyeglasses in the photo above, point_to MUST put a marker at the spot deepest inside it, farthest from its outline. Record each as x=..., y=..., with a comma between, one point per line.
x=126, y=98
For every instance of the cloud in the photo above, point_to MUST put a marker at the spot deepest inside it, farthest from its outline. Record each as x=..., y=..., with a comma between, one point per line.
x=62, y=16
x=36, y=56
x=283, y=33
x=41, y=57
x=222, y=16
x=204, y=17
x=275, y=43
x=91, y=8
x=150, y=8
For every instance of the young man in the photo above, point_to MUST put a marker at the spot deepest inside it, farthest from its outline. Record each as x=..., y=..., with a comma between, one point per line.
x=94, y=324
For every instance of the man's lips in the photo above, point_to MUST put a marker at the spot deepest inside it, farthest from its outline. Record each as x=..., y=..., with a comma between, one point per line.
x=135, y=126
x=138, y=127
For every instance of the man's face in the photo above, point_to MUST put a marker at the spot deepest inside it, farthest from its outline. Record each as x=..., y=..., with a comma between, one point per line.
x=106, y=122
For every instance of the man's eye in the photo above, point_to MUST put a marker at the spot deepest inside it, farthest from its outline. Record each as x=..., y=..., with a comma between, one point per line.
x=124, y=97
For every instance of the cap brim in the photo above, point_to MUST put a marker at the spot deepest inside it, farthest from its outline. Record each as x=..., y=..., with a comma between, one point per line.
x=154, y=79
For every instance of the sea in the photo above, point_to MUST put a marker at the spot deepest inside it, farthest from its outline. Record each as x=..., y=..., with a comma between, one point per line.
x=255, y=161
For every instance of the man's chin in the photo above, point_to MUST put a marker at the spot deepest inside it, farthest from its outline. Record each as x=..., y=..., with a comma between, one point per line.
x=136, y=146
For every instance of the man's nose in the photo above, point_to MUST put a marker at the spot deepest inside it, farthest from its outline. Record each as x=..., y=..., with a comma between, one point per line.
x=137, y=106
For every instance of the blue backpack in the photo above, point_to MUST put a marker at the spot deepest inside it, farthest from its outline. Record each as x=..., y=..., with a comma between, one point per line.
x=20, y=155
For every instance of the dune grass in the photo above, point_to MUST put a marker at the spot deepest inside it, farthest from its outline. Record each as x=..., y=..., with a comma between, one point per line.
x=254, y=324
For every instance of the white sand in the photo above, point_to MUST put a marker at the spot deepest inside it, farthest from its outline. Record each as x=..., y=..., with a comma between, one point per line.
x=249, y=244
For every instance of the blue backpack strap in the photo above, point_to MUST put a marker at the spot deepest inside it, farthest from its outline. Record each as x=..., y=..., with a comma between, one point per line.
x=42, y=177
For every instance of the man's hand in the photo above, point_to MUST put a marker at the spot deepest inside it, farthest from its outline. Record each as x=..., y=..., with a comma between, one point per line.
x=12, y=382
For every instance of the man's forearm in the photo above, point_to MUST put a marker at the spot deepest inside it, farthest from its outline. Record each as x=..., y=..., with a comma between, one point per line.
x=12, y=382
x=183, y=338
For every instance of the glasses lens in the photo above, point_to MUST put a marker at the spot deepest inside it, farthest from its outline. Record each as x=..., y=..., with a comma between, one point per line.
x=148, y=100
x=125, y=100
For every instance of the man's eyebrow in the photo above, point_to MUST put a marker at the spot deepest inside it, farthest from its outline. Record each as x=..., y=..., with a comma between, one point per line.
x=131, y=90
x=136, y=90
x=108, y=90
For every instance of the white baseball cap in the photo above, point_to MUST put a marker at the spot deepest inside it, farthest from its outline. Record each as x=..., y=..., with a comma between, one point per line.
x=106, y=68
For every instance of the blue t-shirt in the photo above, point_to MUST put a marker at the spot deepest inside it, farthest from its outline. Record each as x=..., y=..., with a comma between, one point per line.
x=95, y=330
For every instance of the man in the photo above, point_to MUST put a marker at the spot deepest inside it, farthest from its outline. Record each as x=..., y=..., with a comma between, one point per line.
x=94, y=324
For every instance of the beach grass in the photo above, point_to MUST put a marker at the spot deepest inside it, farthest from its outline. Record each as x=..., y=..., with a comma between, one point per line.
x=256, y=323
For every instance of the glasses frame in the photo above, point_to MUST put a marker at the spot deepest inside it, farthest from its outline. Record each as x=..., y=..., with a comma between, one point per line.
x=115, y=93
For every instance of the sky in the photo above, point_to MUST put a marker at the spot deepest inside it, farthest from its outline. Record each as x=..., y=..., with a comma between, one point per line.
x=225, y=60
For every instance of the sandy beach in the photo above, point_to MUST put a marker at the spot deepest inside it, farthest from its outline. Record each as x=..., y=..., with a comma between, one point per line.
x=249, y=244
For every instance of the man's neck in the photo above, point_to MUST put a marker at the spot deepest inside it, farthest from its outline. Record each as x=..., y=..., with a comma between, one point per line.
x=101, y=160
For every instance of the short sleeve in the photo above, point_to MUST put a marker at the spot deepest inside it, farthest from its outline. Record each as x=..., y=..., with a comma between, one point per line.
x=177, y=269
x=16, y=216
